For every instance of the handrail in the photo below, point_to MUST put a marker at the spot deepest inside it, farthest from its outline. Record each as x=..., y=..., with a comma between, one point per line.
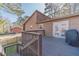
x=32, y=33
x=10, y=45
x=35, y=30
x=40, y=31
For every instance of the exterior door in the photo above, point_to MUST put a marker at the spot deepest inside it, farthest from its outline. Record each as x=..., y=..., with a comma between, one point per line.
x=59, y=28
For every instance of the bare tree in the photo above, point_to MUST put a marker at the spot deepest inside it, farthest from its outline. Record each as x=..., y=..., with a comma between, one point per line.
x=61, y=9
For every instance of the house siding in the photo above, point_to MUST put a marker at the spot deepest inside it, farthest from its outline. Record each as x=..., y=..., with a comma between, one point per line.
x=74, y=23
x=37, y=18
x=31, y=22
x=48, y=28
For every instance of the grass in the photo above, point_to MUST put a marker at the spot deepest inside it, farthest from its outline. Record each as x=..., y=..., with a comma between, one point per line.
x=11, y=50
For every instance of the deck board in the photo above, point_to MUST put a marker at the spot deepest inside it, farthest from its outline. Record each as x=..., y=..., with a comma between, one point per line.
x=58, y=47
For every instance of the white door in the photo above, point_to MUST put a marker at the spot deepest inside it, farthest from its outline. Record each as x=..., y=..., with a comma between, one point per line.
x=59, y=28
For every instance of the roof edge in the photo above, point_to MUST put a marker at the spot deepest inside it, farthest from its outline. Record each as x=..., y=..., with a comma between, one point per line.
x=33, y=14
x=60, y=18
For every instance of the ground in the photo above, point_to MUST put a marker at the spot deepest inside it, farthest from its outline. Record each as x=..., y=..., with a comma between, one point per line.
x=58, y=47
x=11, y=50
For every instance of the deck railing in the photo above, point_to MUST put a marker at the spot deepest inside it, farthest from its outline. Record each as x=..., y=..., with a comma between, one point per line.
x=41, y=31
x=31, y=44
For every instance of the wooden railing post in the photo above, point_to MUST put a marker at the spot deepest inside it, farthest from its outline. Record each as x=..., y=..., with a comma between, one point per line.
x=32, y=44
x=40, y=45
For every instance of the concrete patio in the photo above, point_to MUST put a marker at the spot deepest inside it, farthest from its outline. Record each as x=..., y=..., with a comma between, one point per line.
x=58, y=47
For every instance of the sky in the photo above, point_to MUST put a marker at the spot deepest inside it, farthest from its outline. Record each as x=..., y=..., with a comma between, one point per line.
x=28, y=8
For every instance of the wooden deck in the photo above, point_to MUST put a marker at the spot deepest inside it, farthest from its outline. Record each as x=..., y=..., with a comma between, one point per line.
x=58, y=47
